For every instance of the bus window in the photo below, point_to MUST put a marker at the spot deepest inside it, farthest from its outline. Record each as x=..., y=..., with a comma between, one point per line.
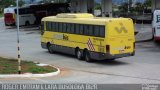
x=68, y=28
x=90, y=30
x=96, y=31
x=64, y=27
x=86, y=31
x=81, y=29
x=57, y=29
x=53, y=26
x=102, y=31
x=47, y=26
x=50, y=26
x=77, y=30
x=72, y=28
x=60, y=27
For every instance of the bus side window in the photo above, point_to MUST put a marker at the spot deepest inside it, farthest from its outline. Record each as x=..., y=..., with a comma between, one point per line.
x=77, y=29
x=50, y=26
x=90, y=30
x=47, y=26
x=56, y=27
x=60, y=27
x=96, y=31
x=64, y=27
x=102, y=31
x=53, y=26
x=72, y=28
x=86, y=31
x=81, y=29
x=68, y=28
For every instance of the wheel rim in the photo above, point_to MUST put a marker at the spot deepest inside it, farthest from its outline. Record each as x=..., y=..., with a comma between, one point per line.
x=78, y=54
x=87, y=57
x=50, y=48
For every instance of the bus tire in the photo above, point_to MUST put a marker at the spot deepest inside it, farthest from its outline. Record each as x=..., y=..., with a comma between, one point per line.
x=78, y=54
x=49, y=47
x=27, y=23
x=6, y=24
x=87, y=57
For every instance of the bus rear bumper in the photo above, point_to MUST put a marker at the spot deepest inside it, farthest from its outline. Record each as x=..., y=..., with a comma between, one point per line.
x=103, y=56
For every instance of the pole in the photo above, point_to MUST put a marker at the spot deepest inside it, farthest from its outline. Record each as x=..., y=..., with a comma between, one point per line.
x=18, y=41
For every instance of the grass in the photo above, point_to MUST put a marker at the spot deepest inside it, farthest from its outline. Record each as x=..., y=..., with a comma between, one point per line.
x=1, y=15
x=10, y=66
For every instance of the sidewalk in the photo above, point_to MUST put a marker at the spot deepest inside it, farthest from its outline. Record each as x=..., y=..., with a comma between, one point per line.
x=144, y=32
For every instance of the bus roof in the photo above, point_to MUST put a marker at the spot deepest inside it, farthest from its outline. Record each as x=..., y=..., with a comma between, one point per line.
x=83, y=18
x=9, y=10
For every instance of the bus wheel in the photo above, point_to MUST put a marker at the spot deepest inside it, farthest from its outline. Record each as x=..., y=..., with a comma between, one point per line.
x=27, y=23
x=79, y=54
x=50, y=50
x=6, y=24
x=87, y=56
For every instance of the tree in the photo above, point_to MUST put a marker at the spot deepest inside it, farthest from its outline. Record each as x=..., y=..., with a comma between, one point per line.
x=139, y=7
x=123, y=7
x=21, y=3
x=7, y=3
x=147, y=4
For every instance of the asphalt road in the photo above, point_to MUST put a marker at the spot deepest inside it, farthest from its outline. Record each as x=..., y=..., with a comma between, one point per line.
x=141, y=68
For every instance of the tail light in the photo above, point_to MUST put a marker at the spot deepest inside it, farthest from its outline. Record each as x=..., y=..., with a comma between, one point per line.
x=107, y=48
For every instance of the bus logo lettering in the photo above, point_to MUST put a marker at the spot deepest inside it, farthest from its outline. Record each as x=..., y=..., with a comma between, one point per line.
x=65, y=37
x=90, y=45
x=127, y=47
x=121, y=29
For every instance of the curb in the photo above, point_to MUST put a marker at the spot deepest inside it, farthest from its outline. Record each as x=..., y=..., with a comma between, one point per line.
x=30, y=75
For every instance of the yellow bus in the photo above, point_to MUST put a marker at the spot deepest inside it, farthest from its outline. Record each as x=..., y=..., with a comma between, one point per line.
x=88, y=37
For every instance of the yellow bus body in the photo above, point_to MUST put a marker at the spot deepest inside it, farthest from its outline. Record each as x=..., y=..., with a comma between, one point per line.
x=119, y=39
